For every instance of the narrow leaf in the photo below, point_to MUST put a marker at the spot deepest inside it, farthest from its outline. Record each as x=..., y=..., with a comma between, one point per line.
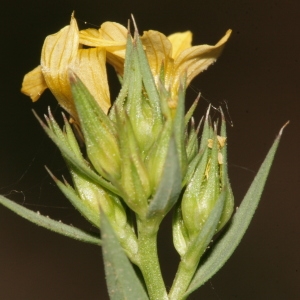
x=238, y=226
x=122, y=281
x=48, y=223
x=170, y=183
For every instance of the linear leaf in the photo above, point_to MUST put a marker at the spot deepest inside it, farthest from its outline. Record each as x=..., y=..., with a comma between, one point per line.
x=48, y=223
x=238, y=226
x=122, y=281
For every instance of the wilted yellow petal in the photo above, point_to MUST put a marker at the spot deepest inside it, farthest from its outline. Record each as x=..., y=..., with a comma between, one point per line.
x=90, y=66
x=34, y=84
x=158, y=50
x=58, y=54
x=114, y=32
x=180, y=41
x=196, y=59
x=111, y=36
x=90, y=37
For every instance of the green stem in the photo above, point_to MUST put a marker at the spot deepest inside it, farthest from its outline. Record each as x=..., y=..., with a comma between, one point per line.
x=182, y=280
x=148, y=259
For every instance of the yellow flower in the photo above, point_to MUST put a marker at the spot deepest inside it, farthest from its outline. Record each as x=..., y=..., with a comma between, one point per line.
x=176, y=57
x=173, y=55
x=62, y=51
x=170, y=59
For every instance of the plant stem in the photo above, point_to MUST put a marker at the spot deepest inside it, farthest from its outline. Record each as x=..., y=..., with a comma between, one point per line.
x=148, y=259
x=182, y=280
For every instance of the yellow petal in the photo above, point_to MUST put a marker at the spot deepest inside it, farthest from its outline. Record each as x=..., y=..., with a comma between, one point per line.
x=158, y=51
x=196, y=59
x=111, y=36
x=180, y=41
x=116, y=32
x=91, y=69
x=112, y=31
x=34, y=84
x=58, y=54
x=116, y=61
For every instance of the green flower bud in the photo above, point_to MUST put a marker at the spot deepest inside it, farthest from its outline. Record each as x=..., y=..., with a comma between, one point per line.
x=88, y=196
x=201, y=192
x=134, y=180
x=99, y=132
x=203, y=189
x=139, y=97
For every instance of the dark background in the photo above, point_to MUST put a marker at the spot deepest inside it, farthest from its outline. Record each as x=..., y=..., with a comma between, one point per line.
x=258, y=74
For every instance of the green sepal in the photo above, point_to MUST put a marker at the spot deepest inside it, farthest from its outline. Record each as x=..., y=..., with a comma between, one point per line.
x=82, y=206
x=199, y=244
x=134, y=178
x=169, y=187
x=211, y=188
x=192, y=145
x=191, y=168
x=179, y=231
x=50, y=224
x=118, y=104
x=191, y=111
x=148, y=79
x=68, y=154
x=98, y=130
x=164, y=96
x=139, y=107
x=193, y=195
x=122, y=281
x=179, y=129
x=191, y=141
x=157, y=155
x=206, y=132
x=72, y=141
x=222, y=250
x=229, y=199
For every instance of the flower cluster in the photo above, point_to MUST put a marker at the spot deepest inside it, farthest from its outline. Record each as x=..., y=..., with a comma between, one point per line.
x=143, y=153
x=170, y=59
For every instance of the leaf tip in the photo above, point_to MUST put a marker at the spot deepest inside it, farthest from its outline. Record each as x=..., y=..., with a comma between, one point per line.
x=281, y=130
x=51, y=174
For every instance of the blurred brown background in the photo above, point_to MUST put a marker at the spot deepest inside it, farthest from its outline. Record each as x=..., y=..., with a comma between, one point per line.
x=258, y=74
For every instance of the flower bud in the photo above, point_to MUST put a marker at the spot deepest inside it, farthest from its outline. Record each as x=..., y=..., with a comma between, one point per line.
x=99, y=133
x=134, y=179
x=88, y=196
x=203, y=190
